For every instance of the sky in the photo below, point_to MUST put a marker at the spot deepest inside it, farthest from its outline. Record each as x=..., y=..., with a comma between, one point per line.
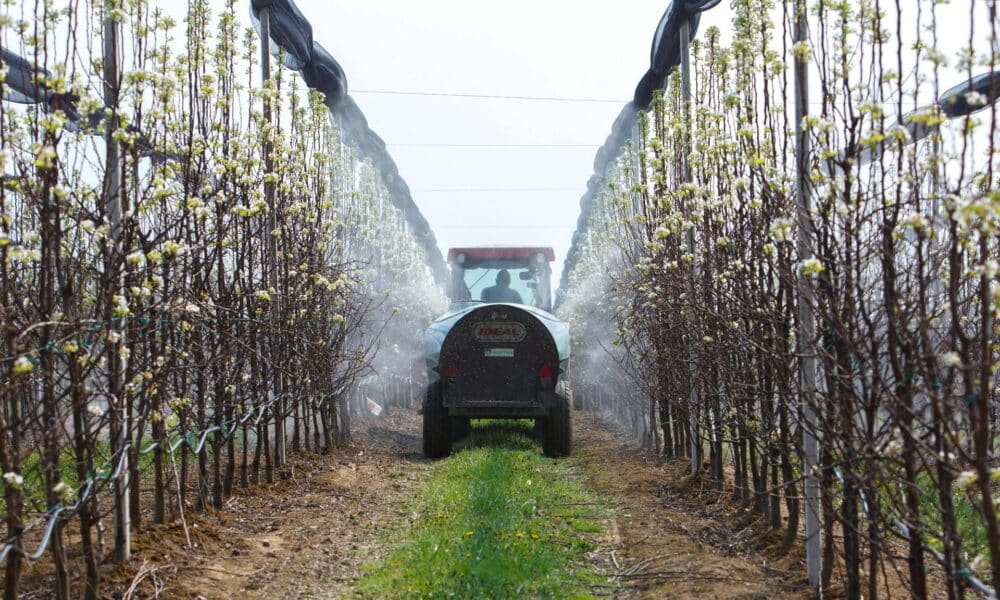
x=486, y=170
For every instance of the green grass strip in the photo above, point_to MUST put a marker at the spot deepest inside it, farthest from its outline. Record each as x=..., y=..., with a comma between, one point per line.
x=496, y=520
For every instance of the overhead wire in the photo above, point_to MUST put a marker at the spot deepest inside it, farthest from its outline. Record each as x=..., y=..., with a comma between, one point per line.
x=517, y=227
x=490, y=96
x=494, y=190
x=448, y=145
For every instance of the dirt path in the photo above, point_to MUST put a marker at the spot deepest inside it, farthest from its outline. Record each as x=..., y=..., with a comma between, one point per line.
x=305, y=537
x=666, y=544
x=309, y=535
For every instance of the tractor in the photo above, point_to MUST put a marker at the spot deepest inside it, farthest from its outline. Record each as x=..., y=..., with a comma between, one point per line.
x=498, y=353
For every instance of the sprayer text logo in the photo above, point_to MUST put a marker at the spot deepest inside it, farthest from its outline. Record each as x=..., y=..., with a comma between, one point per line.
x=499, y=332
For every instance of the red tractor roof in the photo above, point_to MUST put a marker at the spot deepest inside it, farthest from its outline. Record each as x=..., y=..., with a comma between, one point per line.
x=501, y=253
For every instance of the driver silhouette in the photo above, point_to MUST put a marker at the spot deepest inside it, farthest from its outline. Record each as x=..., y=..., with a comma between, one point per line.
x=501, y=292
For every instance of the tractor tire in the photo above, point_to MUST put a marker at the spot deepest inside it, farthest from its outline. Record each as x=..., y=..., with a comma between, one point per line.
x=537, y=428
x=437, y=424
x=461, y=428
x=563, y=389
x=557, y=430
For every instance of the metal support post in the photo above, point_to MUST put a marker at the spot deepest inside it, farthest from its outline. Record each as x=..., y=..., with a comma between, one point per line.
x=272, y=242
x=689, y=238
x=120, y=487
x=806, y=319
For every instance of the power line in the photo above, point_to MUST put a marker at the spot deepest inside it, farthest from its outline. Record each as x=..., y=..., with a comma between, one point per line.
x=539, y=227
x=526, y=98
x=490, y=190
x=489, y=96
x=588, y=146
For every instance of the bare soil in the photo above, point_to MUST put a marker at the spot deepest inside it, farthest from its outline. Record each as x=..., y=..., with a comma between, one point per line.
x=669, y=537
x=308, y=535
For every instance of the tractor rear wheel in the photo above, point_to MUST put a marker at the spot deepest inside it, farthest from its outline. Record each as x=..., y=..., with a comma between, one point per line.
x=461, y=428
x=536, y=429
x=556, y=429
x=437, y=424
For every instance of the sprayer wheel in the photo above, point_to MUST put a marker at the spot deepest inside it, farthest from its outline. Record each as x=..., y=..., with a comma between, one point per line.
x=461, y=428
x=556, y=429
x=537, y=428
x=437, y=424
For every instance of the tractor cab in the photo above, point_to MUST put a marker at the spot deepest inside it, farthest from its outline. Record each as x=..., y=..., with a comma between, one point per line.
x=516, y=275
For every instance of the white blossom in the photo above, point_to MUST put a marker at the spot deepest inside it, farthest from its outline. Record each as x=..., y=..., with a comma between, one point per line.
x=975, y=99
x=13, y=480
x=23, y=366
x=62, y=490
x=782, y=230
x=966, y=479
x=917, y=222
x=811, y=267
x=951, y=359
